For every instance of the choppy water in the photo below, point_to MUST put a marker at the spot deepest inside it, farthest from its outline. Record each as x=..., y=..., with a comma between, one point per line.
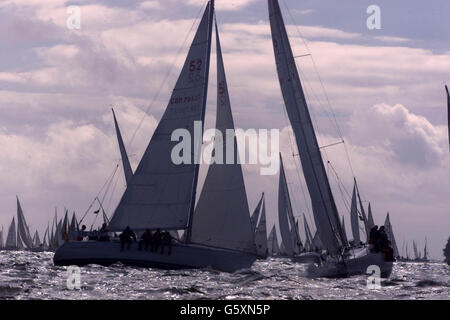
x=28, y=275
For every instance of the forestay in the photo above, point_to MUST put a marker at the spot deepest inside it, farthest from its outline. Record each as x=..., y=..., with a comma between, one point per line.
x=161, y=193
x=222, y=217
x=323, y=205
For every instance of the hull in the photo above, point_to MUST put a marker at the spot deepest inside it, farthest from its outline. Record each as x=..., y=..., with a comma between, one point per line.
x=307, y=257
x=182, y=256
x=356, y=263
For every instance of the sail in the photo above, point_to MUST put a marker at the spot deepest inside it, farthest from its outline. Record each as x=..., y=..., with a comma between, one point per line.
x=275, y=246
x=448, y=115
x=270, y=241
x=2, y=244
x=73, y=228
x=363, y=214
x=370, y=220
x=425, y=251
x=284, y=206
x=261, y=234
x=123, y=153
x=19, y=242
x=36, y=240
x=344, y=232
x=309, y=238
x=390, y=234
x=45, y=243
x=324, y=208
x=22, y=227
x=11, y=238
x=222, y=216
x=255, y=215
x=161, y=194
x=354, y=218
x=317, y=243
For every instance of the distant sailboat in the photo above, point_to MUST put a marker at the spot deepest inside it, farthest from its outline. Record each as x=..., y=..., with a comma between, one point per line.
x=161, y=194
x=23, y=231
x=2, y=244
x=339, y=262
x=370, y=220
x=390, y=233
x=261, y=234
x=11, y=239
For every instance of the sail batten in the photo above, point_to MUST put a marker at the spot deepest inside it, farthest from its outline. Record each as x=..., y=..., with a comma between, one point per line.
x=324, y=208
x=161, y=193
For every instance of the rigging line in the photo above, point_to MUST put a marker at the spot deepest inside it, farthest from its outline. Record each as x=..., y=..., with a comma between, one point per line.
x=169, y=72
x=323, y=88
x=92, y=203
x=111, y=197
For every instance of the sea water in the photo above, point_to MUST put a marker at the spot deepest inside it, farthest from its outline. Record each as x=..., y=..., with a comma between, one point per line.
x=32, y=275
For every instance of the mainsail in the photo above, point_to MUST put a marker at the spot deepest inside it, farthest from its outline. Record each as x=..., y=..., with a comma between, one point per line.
x=448, y=115
x=161, y=193
x=22, y=227
x=324, y=208
x=222, y=217
x=123, y=153
x=255, y=215
x=343, y=231
x=284, y=206
x=309, y=238
x=363, y=214
x=390, y=234
x=354, y=218
x=370, y=220
x=11, y=239
x=261, y=233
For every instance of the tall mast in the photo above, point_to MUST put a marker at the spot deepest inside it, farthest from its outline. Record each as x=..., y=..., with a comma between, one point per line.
x=199, y=146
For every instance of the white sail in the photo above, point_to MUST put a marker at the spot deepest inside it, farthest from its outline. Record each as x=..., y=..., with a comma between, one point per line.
x=284, y=206
x=261, y=234
x=309, y=238
x=354, y=218
x=161, y=193
x=323, y=205
x=390, y=234
x=370, y=220
x=222, y=217
x=19, y=242
x=11, y=239
x=255, y=215
x=344, y=232
x=36, y=240
x=363, y=214
x=123, y=153
x=22, y=227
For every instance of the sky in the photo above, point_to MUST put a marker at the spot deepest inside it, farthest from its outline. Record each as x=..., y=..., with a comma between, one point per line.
x=381, y=90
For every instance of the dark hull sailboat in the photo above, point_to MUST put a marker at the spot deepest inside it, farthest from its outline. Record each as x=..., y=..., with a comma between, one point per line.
x=161, y=194
x=337, y=263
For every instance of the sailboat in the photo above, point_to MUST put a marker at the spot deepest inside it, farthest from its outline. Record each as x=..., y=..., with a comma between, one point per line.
x=11, y=238
x=340, y=261
x=161, y=194
x=390, y=233
x=2, y=244
x=272, y=243
x=23, y=231
x=261, y=234
x=293, y=246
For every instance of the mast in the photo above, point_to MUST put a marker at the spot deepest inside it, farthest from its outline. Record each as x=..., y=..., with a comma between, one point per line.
x=324, y=208
x=448, y=115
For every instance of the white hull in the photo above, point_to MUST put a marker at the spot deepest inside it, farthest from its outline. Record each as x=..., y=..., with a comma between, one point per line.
x=356, y=263
x=183, y=256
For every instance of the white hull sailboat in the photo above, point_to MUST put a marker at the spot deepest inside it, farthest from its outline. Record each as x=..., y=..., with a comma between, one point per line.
x=161, y=194
x=338, y=262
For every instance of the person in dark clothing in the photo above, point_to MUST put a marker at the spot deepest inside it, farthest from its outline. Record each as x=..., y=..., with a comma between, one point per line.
x=156, y=240
x=126, y=237
x=382, y=238
x=373, y=235
x=166, y=240
x=146, y=239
